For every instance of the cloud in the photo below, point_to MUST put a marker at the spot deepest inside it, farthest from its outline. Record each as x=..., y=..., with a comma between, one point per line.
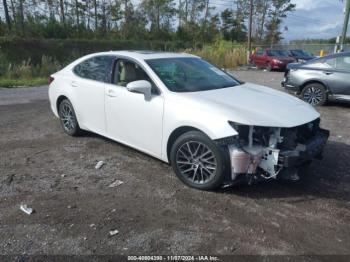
x=314, y=19
x=305, y=4
x=313, y=4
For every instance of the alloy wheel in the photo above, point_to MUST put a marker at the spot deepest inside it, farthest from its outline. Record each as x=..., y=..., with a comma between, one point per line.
x=67, y=117
x=196, y=162
x=313, y=95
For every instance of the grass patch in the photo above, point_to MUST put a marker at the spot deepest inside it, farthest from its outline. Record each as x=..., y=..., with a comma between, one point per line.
x=6, y=82
x=223, y=54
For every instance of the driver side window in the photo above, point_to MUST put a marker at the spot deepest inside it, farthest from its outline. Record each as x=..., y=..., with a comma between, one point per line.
x=126, y=71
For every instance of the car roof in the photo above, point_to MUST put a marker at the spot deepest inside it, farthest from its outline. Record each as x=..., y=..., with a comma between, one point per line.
x=145, y=54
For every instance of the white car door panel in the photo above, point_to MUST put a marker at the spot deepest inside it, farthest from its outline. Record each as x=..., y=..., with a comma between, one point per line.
x=133, y=120
x=92, y=76
x=90, y=106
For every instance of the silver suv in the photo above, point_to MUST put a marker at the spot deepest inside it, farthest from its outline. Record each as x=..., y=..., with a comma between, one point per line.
x=320, y=79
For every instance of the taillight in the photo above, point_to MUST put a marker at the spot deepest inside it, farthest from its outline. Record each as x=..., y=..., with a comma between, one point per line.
x=51, y=79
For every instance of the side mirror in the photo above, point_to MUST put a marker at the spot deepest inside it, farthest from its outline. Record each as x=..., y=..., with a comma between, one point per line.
x=142, y=87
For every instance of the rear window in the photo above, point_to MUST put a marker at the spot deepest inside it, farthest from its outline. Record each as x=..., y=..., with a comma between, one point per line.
x=97, y=68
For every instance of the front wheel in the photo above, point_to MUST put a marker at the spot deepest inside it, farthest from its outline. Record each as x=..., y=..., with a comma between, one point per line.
x=314, y=94
x=198, y=161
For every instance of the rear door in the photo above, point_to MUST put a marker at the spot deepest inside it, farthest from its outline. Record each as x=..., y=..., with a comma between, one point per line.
x=338, y=75
x=89, y=85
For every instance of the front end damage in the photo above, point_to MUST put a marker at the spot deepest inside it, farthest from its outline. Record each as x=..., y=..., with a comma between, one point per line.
x=273, y=152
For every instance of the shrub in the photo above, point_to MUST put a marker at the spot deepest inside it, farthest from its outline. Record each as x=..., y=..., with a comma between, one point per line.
x=223, y=54
x=23, y=70
x=48, y=66
x=39, y=58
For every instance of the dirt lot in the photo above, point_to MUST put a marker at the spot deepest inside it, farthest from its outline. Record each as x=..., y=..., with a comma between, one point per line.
x=153, y=211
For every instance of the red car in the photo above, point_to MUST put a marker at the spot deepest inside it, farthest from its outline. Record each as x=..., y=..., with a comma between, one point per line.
x=271, y=59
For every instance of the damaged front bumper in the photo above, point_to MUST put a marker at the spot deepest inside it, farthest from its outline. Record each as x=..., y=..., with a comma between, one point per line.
x=275, y=152
x=313, y=148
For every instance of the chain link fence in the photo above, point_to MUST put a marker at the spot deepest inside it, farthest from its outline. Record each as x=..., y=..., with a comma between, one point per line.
x=312, y=48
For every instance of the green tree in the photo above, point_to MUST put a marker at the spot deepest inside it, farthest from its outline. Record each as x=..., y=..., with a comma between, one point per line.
x=233, y=28
x=7, y=15
x=160, y=15
x=278, y=11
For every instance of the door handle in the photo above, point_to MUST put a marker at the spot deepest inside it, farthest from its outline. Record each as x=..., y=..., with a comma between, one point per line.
x=74, y=84
x=327, y=72
x=111, y=93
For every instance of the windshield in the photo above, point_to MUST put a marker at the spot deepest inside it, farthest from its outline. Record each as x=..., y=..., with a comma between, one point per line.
x=187, y=74
x=300, y=53
x=279, y=53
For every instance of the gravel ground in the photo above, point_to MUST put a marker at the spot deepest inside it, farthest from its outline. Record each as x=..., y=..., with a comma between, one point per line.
x=154, y=212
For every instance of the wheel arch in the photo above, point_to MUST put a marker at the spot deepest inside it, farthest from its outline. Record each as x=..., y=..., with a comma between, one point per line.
x=314, y=81
x=59, y=100
x=177, y=133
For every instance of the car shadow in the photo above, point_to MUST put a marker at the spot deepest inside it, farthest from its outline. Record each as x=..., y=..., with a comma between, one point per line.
x=326, y=178
x=343, y=104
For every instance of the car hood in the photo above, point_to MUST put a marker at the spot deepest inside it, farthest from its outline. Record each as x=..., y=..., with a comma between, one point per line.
x=253, y=104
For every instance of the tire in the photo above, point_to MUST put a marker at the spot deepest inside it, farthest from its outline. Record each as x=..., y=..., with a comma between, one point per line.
x=68, y=118
x=205, y=167
x=314, y=94
x=252, y=64
x=269, y=67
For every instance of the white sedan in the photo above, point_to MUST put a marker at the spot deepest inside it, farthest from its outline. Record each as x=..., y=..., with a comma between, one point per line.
x=212, y=128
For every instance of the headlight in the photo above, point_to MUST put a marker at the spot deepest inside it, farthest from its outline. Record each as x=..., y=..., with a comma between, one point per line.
x=277, y=61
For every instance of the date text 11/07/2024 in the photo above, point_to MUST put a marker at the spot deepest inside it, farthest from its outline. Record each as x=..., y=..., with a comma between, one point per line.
x=174, y=258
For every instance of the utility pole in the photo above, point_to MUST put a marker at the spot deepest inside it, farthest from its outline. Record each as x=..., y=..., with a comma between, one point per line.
x=346, y=22
x=250, y=22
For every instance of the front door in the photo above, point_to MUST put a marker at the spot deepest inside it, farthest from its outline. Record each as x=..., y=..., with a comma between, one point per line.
x=131, y=119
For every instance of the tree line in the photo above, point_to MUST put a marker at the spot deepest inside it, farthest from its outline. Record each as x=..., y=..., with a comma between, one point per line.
x=163, y=20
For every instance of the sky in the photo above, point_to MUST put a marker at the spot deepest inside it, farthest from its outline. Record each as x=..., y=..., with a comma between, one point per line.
x=315, y=19
x=311, y=19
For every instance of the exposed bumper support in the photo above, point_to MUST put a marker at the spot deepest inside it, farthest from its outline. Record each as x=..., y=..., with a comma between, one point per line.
x=269, y=162
x=312, y=149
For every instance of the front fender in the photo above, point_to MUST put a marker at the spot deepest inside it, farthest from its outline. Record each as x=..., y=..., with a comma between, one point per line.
x=215, y=127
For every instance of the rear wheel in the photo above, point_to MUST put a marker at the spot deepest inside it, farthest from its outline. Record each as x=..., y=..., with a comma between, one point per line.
x=252, y=64
x=198, y=161
x=68, y=118
x=269, y=67
x=314, y=94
